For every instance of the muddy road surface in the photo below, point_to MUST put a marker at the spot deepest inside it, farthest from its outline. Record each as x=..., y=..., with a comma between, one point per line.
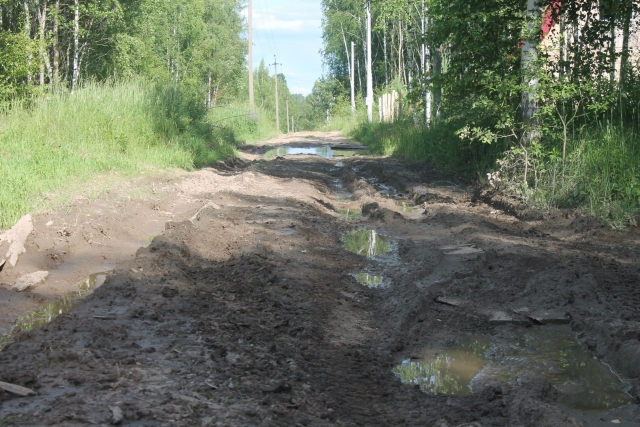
x=323, y=290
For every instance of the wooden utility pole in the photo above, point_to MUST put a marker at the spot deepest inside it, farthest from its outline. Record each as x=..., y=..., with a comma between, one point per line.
x=369, y=71
x=275, y=64
x=353, y=77
x=288, y=128
x=251, y=101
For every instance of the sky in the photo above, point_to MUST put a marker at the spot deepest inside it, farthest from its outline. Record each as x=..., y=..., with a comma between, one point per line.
x=290, y=29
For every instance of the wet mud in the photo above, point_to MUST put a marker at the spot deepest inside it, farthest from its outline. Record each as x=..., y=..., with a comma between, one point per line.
x=264, y=305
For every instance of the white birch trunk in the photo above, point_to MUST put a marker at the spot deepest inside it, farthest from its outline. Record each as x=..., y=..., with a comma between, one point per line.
x=76, y=46
x=56, y=44
x=42, y=21
x=27, y=29
x=529, y=63
x=352, y=78
x=369, y=71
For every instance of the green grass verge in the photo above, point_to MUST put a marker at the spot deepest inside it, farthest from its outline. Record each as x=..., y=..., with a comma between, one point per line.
x=61, y=140
x=600, y=176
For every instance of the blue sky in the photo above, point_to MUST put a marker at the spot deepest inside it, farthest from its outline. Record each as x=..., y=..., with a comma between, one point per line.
x=291, y=29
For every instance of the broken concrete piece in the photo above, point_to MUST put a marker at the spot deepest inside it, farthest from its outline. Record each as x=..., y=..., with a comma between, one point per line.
x=16, y=389
x=550, y=318
x=116, y=415
x=16, y=238
x=453, y=302
x=461, y=250
x=30, y=281
x=499, y=317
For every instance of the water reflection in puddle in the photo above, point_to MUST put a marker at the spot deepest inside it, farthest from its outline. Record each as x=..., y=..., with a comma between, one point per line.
x=552, y=354
x=326, y=152
x=350, y=214
x=368, y=280
x=406, y=206
x=449, y=371
x=49, y=311
x=556, y=356
x=366, y=243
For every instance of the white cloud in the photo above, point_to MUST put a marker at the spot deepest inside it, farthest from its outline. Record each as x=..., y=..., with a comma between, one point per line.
x=300, y=89
x=264, y=23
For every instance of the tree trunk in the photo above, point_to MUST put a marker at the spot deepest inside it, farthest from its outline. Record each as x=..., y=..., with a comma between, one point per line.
x=27, y=29
x=425, y=67
x=352, y=77
x=76, y=46
x=529, y=71
x=624, y=65
x=56, y=44
x=437, y=90
x=384, y=47
x=369, y=66
x=42, y=21
x=612, y=51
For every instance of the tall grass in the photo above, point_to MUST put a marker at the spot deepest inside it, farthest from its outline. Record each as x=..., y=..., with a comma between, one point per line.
x=600, y=175
x=63, y=139
x=245, y=125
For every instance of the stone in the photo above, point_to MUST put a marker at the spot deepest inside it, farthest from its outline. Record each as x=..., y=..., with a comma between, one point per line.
x=16, y=238
x=453, y=302
x=116, y=415
x=30, y=281
x=550, y=317
x=499, y=317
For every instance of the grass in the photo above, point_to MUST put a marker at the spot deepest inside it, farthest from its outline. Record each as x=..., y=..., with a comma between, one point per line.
x=245, y=126
x=600, y=176
x=62, y=140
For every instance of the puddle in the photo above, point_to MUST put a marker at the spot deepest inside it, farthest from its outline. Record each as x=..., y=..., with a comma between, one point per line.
x=585, y=383
x=549, y=353
x=368, y=280
x=449, y=371
x=366, y=243
x=326, y=152
x=49, y=311
x=406, y=206
x=350, y=214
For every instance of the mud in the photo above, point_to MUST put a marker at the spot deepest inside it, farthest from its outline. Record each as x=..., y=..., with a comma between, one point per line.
x=245, y=309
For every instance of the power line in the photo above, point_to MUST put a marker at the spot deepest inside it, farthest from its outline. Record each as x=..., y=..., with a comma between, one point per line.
x=265, y=32
x=270, y=26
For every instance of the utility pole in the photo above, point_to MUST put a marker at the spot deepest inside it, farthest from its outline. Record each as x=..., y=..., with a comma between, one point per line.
x=275, y=64
x=288, y=128
x=353, y=77
x=369, y=72
x=251, y=101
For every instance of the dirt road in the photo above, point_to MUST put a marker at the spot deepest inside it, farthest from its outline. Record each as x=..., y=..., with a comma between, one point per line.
x=245, y=304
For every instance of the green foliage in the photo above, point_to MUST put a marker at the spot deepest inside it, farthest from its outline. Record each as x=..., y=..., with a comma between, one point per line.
x=125, y=128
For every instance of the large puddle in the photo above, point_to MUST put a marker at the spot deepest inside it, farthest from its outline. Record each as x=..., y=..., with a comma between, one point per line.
x=552, y=354
x=366, y=243
x=447, y=372
x=49, y=311
x=326, y=152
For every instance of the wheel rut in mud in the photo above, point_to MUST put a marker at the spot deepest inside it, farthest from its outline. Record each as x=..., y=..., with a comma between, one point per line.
x=248, y=311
